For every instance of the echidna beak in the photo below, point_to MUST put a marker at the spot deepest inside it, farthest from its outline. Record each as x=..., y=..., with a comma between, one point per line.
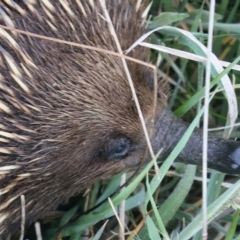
x=223, y=154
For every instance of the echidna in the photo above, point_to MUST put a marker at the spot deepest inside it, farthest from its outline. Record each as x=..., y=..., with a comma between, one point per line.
x=67, y=118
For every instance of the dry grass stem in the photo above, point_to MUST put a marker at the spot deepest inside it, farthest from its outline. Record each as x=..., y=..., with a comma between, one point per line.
x=113, y=33
x=205, y=121
x=23, y=215
x=38, y=231
x=119, y=221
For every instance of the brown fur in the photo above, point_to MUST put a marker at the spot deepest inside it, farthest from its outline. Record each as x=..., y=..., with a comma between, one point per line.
x=66, y=103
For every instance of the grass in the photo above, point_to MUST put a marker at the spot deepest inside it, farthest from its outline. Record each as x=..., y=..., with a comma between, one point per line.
x=169, y=207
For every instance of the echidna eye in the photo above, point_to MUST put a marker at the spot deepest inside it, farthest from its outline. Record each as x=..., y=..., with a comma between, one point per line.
x=118, y=148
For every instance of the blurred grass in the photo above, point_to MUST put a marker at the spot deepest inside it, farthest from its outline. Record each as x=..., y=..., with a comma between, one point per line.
x=161, y=209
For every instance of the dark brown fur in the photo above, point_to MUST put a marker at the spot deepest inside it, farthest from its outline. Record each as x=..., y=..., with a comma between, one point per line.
x=71, y=103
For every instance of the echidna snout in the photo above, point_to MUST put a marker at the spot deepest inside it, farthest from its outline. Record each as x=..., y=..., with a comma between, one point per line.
x=223, y=155
x=67, y=117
